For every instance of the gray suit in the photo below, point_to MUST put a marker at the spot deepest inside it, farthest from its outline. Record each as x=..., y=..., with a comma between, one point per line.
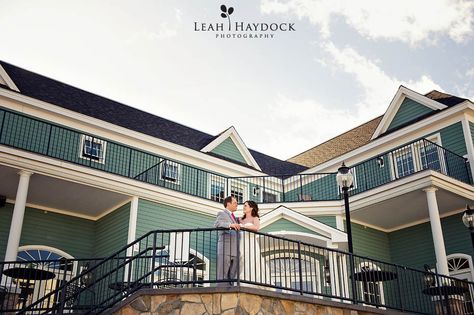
x=227, y=251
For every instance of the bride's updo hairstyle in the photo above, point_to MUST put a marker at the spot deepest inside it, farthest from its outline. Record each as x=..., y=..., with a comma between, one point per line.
x=254, y=206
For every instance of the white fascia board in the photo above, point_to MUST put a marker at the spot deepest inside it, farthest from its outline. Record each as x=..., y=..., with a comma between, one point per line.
x=318, y=227
x=428, y=122
x=134, y=137
x=234, y=136
x=397, y=100
x=5, y=77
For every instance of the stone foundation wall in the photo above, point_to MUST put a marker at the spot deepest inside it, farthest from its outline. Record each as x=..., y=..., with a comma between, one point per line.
x=240, y=303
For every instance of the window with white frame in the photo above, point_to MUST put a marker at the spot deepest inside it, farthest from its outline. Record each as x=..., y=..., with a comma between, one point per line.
x=216, y=187
x=460, y=267
x=93, y=149
x=170, y=171
x=372, y=292
x=270, y=197
x=285, y=272
x=418, y=156
x=239, y=191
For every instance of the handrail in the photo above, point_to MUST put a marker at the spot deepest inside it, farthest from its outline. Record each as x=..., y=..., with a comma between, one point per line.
x=164, y=253
x=49, y=139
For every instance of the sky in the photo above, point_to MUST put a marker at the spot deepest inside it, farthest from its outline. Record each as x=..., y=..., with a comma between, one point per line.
x=339, y=68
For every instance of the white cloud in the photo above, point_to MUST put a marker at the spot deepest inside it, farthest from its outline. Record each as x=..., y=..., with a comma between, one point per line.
x=378, y=89
x=470, y=72
x=403, y=20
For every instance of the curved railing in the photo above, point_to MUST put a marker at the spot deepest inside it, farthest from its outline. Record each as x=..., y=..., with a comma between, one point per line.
x=193, y=258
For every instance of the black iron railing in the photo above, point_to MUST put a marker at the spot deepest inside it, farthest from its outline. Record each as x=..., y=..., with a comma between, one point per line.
x=195, y=258
x=42, y=137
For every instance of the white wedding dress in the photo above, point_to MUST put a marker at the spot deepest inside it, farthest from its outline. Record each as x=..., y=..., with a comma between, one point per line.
x=253, y=266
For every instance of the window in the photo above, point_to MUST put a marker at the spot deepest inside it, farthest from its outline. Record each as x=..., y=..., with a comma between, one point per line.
x=238, y=193
x=269, y=197
x=460, y=267
x=372, y=292
x=93, y=149
x=217, y=188
x=170, y=171
x=418, y=156
x=285, y=272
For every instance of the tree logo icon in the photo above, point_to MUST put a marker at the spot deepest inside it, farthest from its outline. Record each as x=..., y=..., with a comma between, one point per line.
x=226, y=13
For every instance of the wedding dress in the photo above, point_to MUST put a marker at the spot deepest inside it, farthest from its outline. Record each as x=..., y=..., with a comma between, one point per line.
x=253, y=266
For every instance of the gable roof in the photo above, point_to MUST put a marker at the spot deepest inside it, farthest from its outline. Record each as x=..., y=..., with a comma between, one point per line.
x=435, y=100
x=238, y=142
x=363, y=134
x=337, y=146
x=66, y=96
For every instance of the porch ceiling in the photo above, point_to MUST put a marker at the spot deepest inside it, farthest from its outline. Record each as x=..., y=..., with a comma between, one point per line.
x=408, y=208
x=59, y=194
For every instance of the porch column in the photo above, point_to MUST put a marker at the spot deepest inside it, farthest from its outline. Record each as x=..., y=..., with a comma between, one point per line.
x=132, y=223
x=437, y=232
x=469, y=143
x=18, y=214
x=132, y=230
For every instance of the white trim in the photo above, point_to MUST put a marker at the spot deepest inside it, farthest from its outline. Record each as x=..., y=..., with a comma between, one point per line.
x=366, y=151
x=45, y=248
x=465, y=256
x=282, y=212
x=132, y=222
x=397, y=101
x=4, y=75
x=102, y=153
x=239, y=143
x=469, y=142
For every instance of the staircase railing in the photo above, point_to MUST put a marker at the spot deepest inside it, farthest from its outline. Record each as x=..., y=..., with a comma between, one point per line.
x=192, y=258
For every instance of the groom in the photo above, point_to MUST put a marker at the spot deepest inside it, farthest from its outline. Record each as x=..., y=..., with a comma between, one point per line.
x=227, y=253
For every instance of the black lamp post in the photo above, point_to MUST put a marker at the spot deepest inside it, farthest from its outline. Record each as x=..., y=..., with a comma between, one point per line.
x=344, y=179
x=468, y=220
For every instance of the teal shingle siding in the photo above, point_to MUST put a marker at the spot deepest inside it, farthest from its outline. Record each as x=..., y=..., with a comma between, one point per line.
x=5, y=221
x=229, y=150
x=111, y=231
x=452, y=138
x=408, y=111
x=286, y=225
x=370, y=242
x=328, y=220
x=413, y=246
x=72, y=235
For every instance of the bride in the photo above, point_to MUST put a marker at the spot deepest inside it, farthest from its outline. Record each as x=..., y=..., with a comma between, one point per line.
x=253, y=266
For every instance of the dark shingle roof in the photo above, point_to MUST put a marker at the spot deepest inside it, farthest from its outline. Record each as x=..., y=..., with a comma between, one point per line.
x=77, y=100
x=446, y=99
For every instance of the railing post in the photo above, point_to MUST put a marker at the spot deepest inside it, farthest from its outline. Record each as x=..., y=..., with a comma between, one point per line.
x=400, y=298
x=197, y=182
x=300, y=268
x=3, y=125
x=49, y=139
x=153, y=261
x=283, y=187
x=62, y=297
x=227, y=189
x=130, y=163
x=301, y=188
x=263, y=190
x=352, y=276
x=238, y=256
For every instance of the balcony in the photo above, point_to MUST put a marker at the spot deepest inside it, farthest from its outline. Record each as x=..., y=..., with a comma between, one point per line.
x=192, y=260
x=41, y=137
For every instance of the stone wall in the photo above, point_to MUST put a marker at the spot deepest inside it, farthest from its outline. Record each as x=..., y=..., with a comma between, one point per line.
x=241, y=303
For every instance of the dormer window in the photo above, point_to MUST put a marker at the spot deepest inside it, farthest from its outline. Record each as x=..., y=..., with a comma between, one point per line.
x=93, y=149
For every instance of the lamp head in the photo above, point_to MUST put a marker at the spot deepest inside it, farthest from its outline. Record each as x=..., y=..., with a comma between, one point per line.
x=468, y=217
x=344, y=177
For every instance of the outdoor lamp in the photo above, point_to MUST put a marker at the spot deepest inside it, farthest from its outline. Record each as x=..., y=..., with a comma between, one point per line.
x=428, y=277
x=468, y=220
x=344, y=179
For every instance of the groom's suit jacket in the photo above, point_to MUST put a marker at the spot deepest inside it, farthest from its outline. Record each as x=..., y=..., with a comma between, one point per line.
x=228, y=241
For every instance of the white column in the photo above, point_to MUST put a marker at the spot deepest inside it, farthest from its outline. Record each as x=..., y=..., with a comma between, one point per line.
x=469, y=145
x=132, y=223
x=18, y=214
x=132, y=230
x=435, y=221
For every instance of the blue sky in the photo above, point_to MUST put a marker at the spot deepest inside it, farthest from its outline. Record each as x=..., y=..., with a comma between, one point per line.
x=340, y=68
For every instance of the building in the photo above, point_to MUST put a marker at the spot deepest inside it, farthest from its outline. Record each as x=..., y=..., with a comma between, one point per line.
x=83, y=176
